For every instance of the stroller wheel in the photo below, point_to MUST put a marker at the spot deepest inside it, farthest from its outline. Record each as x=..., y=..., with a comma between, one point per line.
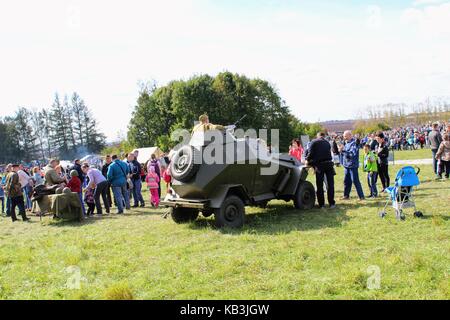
x=399, y=215
x=382, y=214
x=418, y=214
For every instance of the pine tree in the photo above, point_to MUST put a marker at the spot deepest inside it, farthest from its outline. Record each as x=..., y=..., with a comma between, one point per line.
x=77, y=108
x=45, y=115
x=38, y=125
x=68, y=119
x=25, y=134
x=58, y=127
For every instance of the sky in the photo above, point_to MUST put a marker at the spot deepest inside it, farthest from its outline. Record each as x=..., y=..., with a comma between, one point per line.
x=328, y=59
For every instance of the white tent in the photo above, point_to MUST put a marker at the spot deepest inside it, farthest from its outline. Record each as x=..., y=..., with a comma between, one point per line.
x=93, y=160
x=146, y=153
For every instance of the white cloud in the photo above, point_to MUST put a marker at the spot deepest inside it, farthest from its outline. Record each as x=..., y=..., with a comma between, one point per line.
x=375, y=18
x=431, y=20
x=325, y=66
x=419, y=3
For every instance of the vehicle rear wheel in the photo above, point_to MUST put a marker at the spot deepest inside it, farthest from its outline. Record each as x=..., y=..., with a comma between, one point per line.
x=231, y=214
x=184, y=215
x=305, y=197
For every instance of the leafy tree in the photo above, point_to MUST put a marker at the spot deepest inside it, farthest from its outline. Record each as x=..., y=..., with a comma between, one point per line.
x=225, y=98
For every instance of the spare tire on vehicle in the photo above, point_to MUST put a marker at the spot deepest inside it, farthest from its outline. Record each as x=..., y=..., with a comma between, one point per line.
x=184, y=164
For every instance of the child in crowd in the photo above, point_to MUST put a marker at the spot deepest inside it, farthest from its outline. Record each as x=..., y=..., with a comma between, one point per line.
x=90, y=201
x=75, y=186
x=153, y=186
x=371, y=167
x=74, y=183
x=167, y=179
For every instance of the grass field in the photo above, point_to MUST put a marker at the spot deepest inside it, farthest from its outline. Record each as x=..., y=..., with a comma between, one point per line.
x=281, y=253
x=413, y=155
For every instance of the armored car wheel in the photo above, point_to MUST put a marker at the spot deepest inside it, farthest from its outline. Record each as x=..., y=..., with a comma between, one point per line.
x=184, y=165
x=305, y=197
x=231, y=214
x=184, y=215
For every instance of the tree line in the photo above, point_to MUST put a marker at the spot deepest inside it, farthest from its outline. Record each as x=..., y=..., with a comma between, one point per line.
x=225, y=98
x=393, y=115
x=65, y=130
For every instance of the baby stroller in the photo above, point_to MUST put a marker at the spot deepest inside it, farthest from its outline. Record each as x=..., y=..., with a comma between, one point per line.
x=401, y=194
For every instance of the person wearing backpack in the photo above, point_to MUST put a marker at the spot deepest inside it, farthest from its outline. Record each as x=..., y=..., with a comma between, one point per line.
x=382, y=152
x=117, y=175
x=371, y=167
x=135, y=167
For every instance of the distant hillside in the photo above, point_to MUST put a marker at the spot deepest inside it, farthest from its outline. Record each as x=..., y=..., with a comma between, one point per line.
x=338, y=125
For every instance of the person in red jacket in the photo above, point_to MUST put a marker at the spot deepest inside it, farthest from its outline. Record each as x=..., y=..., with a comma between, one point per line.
x=75, y=186
x=296, y=150
x=74, y=183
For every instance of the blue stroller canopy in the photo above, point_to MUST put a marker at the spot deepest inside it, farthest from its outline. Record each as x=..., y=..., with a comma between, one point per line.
x=407, y=177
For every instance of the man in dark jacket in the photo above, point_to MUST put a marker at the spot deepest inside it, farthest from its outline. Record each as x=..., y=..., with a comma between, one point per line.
x=77, y=168
x=14, y=192
x=105, y=174
x=435, y=139
x=135, y=167
x=350, y=161
x=383, y=160
x=374, y=143
x=319, y=157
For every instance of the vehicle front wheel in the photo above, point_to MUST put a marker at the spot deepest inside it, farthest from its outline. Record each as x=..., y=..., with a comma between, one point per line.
x=184, y=215
x=231, y=214
x=305, y=197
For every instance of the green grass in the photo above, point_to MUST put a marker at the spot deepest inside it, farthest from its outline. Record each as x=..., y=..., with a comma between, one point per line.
x=413, y=155
x=281, y=253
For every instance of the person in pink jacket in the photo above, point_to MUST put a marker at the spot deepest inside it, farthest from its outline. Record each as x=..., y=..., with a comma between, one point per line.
x=152, y=180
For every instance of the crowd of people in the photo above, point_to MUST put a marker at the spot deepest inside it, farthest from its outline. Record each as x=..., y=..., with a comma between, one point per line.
x=327, y=151
x=117, y=181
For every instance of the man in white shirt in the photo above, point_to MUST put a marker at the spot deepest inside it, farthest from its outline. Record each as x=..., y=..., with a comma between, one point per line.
x=24, y=178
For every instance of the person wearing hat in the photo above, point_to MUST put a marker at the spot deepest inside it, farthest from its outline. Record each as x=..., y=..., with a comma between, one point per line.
x=75, y=186
x=51, y=176
x=77, y=167
x=14, y=191
x=204, y=125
